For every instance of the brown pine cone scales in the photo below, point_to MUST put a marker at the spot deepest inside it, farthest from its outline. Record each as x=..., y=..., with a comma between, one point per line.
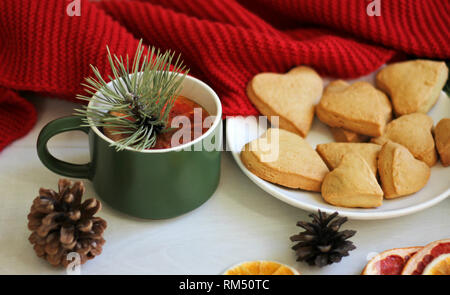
x=61, y=223
x=321, y=243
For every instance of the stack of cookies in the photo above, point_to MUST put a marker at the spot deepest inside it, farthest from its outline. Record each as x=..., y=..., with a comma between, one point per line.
x=385, y=141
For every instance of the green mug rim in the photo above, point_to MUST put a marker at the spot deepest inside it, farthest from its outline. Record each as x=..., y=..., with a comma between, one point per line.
x=211, y=129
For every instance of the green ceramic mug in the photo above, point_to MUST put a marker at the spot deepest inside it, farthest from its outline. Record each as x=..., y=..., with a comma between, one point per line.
x=151, y=184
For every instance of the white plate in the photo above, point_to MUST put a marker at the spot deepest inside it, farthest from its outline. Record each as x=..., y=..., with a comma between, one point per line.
x=241, y=130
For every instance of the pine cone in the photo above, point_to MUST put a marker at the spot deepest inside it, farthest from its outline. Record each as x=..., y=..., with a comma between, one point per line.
x=321, y=243
x=61, y=224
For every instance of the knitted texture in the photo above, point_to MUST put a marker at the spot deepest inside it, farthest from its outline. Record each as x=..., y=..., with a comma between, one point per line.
x=224, y=42
x=17, y=116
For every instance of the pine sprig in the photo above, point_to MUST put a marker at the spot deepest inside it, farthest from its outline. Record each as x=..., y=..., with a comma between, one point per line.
x=138, y=101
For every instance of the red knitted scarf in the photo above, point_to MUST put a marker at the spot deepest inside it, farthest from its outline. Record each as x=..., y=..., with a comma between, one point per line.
x=46, y=47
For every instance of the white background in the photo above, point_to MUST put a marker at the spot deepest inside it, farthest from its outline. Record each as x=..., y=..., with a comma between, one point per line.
x=240, y=222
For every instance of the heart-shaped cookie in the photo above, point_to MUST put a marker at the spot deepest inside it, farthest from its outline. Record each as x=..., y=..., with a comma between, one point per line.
x=442, y=137
x=400, y=173
x=284, y=158
x=352, y=184
x=333, y=152
x=413, y=86
x=414, y=132
x=358, y=107
x=289, y=96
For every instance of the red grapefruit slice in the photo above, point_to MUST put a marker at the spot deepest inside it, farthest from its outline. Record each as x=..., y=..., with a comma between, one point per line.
x=390, y=262
x=417, y=264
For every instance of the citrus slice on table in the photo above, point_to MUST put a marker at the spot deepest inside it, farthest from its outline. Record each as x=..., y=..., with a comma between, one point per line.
x=431, y=259
x=390, y=262
x=261, y=268
x=439, y=266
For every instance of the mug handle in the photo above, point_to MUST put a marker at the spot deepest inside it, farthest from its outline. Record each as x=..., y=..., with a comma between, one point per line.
x=60, y=167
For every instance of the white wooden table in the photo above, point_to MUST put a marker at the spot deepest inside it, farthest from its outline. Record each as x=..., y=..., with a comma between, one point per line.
x=240, y=221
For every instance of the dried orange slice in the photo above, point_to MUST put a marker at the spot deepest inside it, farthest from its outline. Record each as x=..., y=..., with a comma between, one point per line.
x=261, y=268
x=439, y=266
x=427, y=256
x=390, y=262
